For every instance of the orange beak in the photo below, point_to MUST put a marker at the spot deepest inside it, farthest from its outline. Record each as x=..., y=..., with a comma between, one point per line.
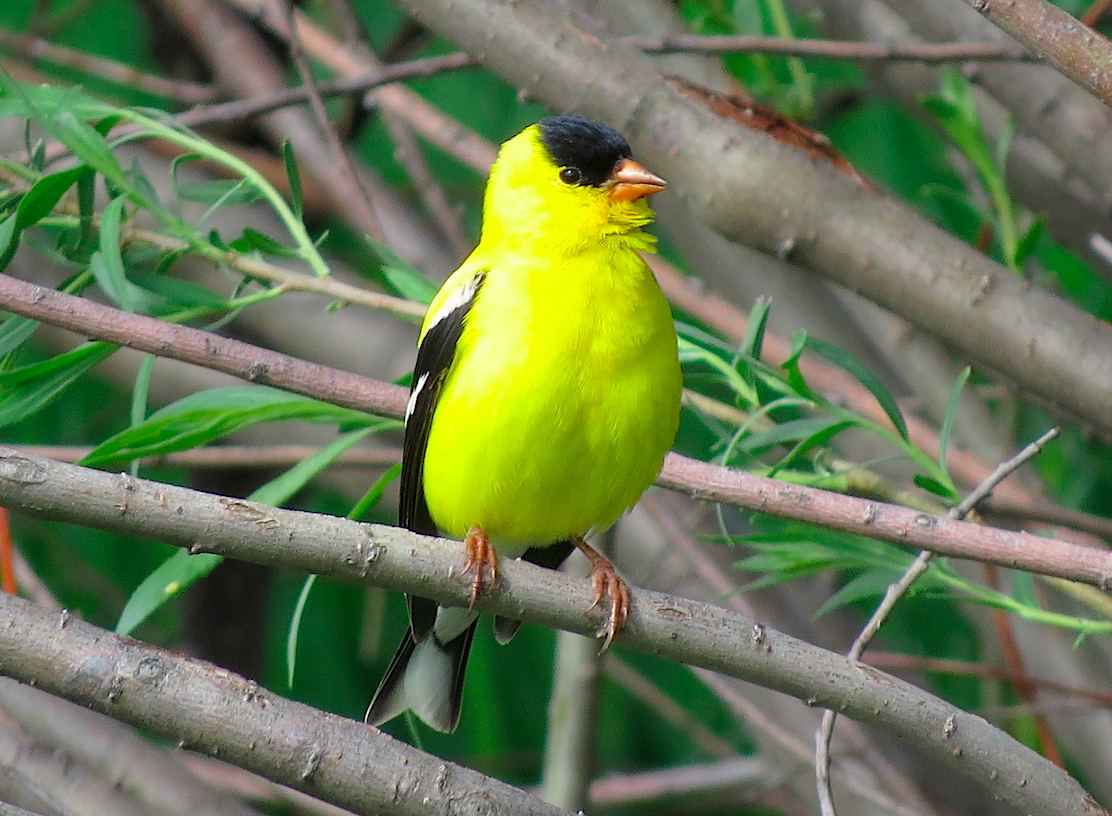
x=632, y=181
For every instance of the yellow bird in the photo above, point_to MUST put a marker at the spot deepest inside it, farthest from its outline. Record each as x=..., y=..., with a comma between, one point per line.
x=545, y=394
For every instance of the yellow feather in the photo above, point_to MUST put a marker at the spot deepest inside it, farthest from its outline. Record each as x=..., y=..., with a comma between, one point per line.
x=564, y=393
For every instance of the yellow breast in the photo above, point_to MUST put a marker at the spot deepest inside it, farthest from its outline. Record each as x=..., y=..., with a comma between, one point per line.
x=561, y=403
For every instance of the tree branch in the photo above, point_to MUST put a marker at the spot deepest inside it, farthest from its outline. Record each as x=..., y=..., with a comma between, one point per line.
x=1076, y=50
x=706, y=482
x=211, y=710
x=127, y=682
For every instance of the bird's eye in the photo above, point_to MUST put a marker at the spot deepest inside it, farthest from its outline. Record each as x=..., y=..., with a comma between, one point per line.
x=571, y=175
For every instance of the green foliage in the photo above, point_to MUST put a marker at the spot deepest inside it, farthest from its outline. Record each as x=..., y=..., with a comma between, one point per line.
x=788, y=551
x=955, y=107
x=781, y=410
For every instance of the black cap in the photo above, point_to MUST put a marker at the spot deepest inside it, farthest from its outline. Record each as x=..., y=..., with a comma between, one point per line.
x=581, y=144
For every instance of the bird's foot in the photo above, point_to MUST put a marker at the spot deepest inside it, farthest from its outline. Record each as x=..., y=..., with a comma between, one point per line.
x=609, y=586
x=481, y=564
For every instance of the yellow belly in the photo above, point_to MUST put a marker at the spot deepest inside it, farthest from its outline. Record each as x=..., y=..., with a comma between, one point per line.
x=556, y=415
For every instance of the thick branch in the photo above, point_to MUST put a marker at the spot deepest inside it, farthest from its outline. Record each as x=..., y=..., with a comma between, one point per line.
x=1061, y=39
x=673, y=628
x=898, y=525
x=758, y=191
x=211, y=710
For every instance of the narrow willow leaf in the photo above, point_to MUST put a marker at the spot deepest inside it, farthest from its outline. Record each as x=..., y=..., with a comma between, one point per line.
x=208, y=415
x=297, y=202
x=253, y=240
x=139, y=399
x=794, y=431
x=843, y=359
x=406, y=280
x=38, y=202
x=107, y=264
x=932, y=485
x=182, y=569
x=820, y=437
x=1023, y=589
x=869, y=584
x=23, y=391
x=225, y=193
x=13, y=331
x=753, y=341
x=952, y=405
x=374, y=495
x=278, y=491
x=179, y=571
x=791, y=366
x=178, y=293
x=9, y=240
x=295, y=627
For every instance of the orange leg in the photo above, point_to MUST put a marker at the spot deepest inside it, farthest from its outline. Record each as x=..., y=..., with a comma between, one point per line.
x=482, y=561
x=609, y=585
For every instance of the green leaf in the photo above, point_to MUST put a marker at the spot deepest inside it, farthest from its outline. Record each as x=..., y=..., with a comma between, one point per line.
x=208, y=415
x=794, y=431
x=405, y=279
x=297, y=202
x=179, y=571
x=178, y=292
x=753, y=341
x=23, y=391
x=1023, y=589
x=13, y=331
x=818, y=438
x=791, y=366
x=41, y=199
x=843, y=359
x=9, y=240
x=952, y=405
x=932, y=485
x=869, y=584
x=1025, y=247
x=107, y=264
x=224, y=192
x=278, y=491
x=253, y=240
x=372, y=496
x=295, y=627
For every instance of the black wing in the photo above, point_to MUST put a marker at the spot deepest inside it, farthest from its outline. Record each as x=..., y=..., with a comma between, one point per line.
x=434, y=359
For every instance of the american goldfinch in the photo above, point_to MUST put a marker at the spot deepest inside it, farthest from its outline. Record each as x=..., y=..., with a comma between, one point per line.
x=545, y=394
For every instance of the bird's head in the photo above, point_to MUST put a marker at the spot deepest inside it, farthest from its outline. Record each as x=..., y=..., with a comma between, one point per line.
x=570, y=180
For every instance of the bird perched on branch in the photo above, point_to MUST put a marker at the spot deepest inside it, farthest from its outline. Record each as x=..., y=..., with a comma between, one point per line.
x=545, y=394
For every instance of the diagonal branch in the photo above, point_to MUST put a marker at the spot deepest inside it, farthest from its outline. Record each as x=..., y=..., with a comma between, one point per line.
x=670, y=627
x=211, y=710
x=886, y=522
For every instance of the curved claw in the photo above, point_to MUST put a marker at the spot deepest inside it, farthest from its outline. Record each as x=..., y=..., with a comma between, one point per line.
x=611, y=586
x=481, y=563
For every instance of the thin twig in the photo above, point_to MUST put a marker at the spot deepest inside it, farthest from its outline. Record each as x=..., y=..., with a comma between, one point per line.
x=264, y=270
x=892, y=662
x=409, y=155
x=36, y=48
x=829, y=49
x=359, y=205
x=893, y=594
x=361, y=83
x=235, y=457
x=747, y=776
x=1013, y=656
